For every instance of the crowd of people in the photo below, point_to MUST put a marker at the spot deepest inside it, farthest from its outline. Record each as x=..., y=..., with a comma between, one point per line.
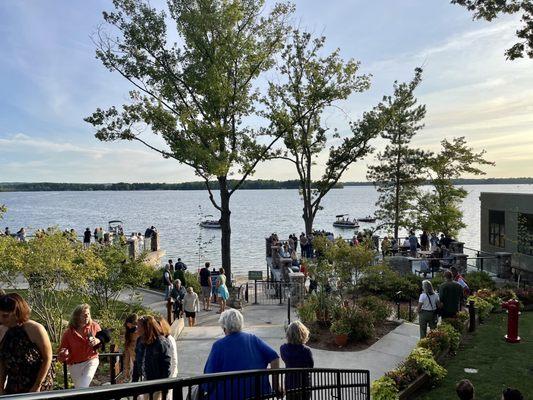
x=20, y=235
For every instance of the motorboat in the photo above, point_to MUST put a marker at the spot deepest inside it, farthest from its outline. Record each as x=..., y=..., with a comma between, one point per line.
x=345, y=223
x=368, y=218
x=210, y=224
x=116, y=227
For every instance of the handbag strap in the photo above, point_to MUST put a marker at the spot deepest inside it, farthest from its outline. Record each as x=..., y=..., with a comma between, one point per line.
x=430, y=303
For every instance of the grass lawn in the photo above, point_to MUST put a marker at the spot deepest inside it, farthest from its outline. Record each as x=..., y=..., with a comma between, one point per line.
x=499, y=364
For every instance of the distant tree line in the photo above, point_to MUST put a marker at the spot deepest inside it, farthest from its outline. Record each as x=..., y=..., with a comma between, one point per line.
x=197, y=185
x=200, y=185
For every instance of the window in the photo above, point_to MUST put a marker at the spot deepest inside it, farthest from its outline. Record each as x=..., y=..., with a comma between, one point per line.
x=497, y=228
x=525, y=234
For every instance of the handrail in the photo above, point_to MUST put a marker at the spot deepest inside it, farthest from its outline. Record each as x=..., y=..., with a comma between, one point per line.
x=354, y=383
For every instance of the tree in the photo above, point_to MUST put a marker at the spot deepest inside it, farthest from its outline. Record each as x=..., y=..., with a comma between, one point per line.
x=197, y=96
x=492, y=9
x=439, y=209
x=114, y=272
x=398, y=176
x=11, y=259
x=54, y=278
x=3, y=210
x=313, y=83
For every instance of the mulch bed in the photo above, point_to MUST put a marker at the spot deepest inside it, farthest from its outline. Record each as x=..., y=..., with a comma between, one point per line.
x=321, y=338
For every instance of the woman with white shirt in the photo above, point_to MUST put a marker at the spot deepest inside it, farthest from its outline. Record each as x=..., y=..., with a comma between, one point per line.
x=427, y=308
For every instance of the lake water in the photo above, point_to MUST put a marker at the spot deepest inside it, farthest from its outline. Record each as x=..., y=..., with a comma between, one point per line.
x=176, y=214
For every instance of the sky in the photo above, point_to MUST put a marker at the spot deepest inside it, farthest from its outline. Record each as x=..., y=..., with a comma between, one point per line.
x=51, y=80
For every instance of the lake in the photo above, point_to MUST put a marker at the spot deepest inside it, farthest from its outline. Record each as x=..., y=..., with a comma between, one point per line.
x=176, y=214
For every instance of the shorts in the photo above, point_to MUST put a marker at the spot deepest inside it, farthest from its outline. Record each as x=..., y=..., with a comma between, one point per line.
x=206, y=292
x=190, y=314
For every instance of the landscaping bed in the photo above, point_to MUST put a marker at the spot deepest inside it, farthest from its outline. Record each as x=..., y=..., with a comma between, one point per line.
x=322, y=338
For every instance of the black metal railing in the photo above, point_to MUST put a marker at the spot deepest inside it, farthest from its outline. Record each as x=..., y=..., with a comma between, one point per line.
x=301, y=384
x=270, y=292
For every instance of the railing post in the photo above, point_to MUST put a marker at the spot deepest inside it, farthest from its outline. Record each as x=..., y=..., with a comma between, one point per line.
x=280, y=294
x=65, y=375
x=410, y=312
x=289, y=310
x=112, y=364
x=169, y=311
x=246, y=293
x=472, y=313
x=255, y=292
x=339, y=392
x=398, y=309
x=482, y=264
x=257, y=387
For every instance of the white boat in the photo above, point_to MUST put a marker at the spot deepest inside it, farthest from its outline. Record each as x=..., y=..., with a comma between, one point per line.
x=345, y=223
x=210, y=224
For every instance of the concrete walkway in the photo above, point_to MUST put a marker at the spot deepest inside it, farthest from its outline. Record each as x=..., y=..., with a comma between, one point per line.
x=267, y=322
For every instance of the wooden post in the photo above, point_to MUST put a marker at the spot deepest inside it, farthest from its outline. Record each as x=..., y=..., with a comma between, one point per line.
x=472, y=313
x=113, y=364
x=65, y=376
x=170, y=313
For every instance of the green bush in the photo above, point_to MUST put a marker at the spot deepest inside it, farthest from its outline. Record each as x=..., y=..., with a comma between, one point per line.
x=307, y=311
x=382, y=281
x=380, y=309
x=384, y=388
x=361, y=323
x=156, y=280
x=452, y=334
x=340, y=327
x=490, y=297
x=421, y=360
x=436, y=341
x=483, y=307
x=191, y=279
x=479, y=280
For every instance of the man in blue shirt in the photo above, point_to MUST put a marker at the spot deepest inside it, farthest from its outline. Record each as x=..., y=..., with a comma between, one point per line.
x=239, y=351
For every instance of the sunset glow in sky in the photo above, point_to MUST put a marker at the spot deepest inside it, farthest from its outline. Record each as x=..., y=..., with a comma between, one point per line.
x=51, y=80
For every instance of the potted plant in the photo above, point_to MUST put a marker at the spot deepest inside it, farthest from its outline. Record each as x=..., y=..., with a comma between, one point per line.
x=340, y=330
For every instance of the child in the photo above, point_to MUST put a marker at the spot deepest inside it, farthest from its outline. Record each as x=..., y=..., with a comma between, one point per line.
x=191, y=305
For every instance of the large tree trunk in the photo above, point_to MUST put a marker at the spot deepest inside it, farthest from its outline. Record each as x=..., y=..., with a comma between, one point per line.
x=225, y=216
x=308, y=219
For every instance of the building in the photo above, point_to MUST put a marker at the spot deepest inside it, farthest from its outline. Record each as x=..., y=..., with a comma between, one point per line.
x=507, y=226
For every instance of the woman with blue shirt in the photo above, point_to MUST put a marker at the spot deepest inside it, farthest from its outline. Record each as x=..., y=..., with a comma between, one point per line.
x=239, y=351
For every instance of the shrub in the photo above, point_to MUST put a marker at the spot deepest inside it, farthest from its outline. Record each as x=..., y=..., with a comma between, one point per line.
x=306, y=311
x=384, y=389
x=156, y=280
x=340, y=327
x=379, y=308
x=483, y=306
x=402, y=377
x=490, y=297
x=525, y=296
x=404, y=313
x=437, y=280
x=421, y=360
x=452, y=334
x=479, y=280
x=505, y=295
x=382, y=281
x=436, y=341
x=361, y=323
x=191, y=279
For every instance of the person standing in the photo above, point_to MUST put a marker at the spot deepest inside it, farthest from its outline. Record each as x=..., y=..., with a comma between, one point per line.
x=413, y=244
x=240, y=351
x=457, y=277
x=130, y=340
x=178, y=293
x=153, y=354
x=222, y=290
x=167, y=281
x=87, y=238
x=25, y=349
x=450, y=294
x=424, y=241
x=191, y=305
x=303, y=244
x=78, y=346
x=170, y=266
x=295, y=354
x=205, y=283
x=427, y=308
x=465, y=390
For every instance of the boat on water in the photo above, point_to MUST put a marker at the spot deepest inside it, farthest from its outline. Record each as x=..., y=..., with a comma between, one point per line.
x=210, y=224
x=367, y=219
x=345, y=223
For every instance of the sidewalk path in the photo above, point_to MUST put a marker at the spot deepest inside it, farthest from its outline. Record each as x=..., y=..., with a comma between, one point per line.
x=267, y=322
